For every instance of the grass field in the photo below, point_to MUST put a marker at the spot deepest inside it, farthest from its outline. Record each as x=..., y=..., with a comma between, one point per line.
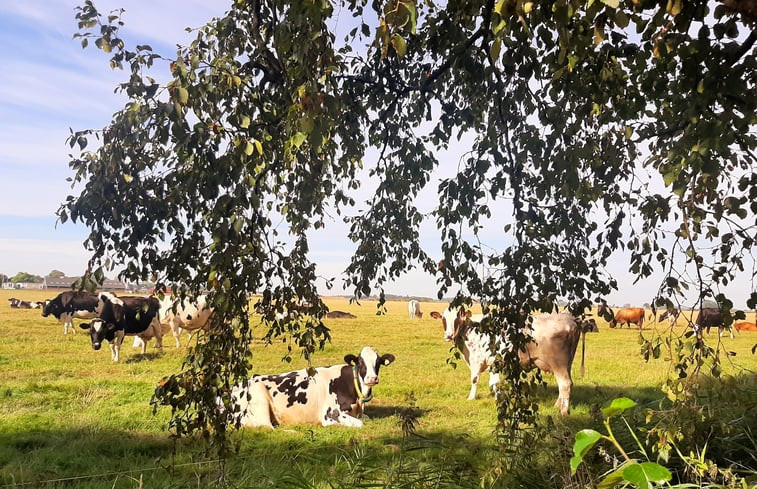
x=71, y=415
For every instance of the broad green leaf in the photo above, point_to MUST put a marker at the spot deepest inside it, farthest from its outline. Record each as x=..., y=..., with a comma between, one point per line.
x=298, y=139
x=248, y=148
x=645, y=473
x=585, y=440
x=618, y=406
x=244, y=122
x=399, y=45
x=259, y=147
x=182, y=95
x=611, y=3
x=612, y=480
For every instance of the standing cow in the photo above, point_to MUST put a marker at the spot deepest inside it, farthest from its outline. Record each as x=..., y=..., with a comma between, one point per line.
x=628, y=315
x=121, y=316
x=69, y=305
x=671, y=315
x=328, y=396
x=414, y=309
x=552, y=349
x=709, y=317
x=175, y=316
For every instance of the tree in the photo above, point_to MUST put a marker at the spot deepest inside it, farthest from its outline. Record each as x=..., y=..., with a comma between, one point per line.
x=26, y=277
x=593, y=127
x=56, y=274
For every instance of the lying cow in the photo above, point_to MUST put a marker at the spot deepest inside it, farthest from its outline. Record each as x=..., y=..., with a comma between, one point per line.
x=332, y=395
x=709, y=317
x=340, y=315
x=21, y=304
x=176, y=317
x=121, y=316
x=745, y=326
x=69, y=305
x=552, y=349
x=628, y=315
x=414, y=309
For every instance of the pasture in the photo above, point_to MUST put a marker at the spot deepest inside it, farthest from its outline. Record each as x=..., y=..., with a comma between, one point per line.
x=70, y=417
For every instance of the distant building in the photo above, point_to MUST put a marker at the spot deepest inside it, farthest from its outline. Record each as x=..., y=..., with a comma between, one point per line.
x=23, y=285
x=67, y=282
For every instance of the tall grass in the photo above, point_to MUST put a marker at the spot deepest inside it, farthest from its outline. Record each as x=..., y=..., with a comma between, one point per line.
x=69, y=414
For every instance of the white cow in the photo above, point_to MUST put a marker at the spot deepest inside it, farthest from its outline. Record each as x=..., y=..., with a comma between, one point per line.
x=414, y=309
x=553, y=346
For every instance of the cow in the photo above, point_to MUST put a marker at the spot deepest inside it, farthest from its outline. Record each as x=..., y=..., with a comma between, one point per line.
x=69, y=305
x=589, y=326
x=120, y=316
x=176, y=317
x=21, y=304
x=333, y=395
x=671, y=315
x=745, y=326
x=340, y=315
x=628, y=315
x=414, y=309
x=709, y=317
x=552, y=349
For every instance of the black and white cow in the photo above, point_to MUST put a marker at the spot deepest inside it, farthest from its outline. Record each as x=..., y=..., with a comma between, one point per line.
x=187, y=315
x=21, y=304
x=121, y=316
x=330, y=396
x=671, y=315
x=552, y=349
x=69, y=305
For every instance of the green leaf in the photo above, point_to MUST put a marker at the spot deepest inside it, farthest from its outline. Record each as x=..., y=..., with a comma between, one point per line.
x=612, y=480
x=259, y=147
x=248, y=148
x=645, y=473
x=298, y=139
x=495, y=48
x=611, y=3
x=244, y=122
x=399, y=45
x=585, y=440
x=182, y=95
x=618, y=406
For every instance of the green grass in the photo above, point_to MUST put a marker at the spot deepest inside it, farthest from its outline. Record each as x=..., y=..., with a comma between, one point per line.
x=67, y=411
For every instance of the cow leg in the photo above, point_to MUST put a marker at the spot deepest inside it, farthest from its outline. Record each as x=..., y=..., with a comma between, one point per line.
x=115, y=346
x=176, y=331
x=564, y=385
x=493, y=382
x=158, y=330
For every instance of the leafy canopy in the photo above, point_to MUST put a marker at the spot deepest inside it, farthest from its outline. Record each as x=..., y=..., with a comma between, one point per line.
x=591, y=126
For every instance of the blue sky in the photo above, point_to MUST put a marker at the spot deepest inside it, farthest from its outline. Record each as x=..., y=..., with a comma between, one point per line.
x=49, y=84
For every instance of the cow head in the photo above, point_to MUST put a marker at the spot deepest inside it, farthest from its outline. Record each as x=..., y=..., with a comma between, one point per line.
x=452, y=322
x=100, y=331
x=367, y=366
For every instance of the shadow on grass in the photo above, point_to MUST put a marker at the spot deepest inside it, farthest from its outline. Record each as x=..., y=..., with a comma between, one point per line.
x=137, y=358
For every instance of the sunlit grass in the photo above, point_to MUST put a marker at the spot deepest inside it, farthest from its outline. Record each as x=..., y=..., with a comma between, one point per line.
x=68, y=411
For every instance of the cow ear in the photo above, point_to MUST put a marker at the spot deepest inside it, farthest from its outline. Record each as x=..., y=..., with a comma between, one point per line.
x=387, y=358
x=350, y=359
x=436, y=315
x=118, y=312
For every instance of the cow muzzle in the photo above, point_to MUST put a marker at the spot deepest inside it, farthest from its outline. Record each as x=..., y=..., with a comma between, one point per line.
x=370, y=381
x=96, y=345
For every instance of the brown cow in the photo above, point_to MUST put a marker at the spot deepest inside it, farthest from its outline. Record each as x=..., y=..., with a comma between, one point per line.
x=745, y=326
x=628, y=315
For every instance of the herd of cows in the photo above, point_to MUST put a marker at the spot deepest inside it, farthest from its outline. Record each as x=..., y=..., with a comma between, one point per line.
x=337, y=394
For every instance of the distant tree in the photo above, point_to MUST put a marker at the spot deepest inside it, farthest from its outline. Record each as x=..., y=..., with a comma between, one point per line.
x=4, y=278
x=217, y=179
x=26, y=278
x=56, y=274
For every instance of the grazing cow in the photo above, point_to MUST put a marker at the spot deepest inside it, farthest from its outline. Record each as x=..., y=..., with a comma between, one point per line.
x=552, y=349
x=589, y=326
x=671, y=315
x=745, y=326
x=176, y=317
x=331, y=395
x=120, y=316
x=628, y=315
x=340, y=315
x=414, y=309
x=709, y=317
x=69, y=305
x=20, y=304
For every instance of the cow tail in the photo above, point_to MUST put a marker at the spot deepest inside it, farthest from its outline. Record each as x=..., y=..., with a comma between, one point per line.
x=583, y=350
